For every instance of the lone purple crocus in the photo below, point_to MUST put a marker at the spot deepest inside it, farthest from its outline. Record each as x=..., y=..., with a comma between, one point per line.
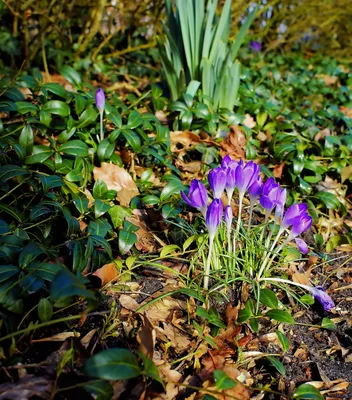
x=324, y=299
x=198, y=196
x=255, y=46
x=100, y=103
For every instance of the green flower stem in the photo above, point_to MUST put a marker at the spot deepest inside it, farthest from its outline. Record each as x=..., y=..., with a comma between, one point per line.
x=236, y=233
x=266, y=218
x=101, y=126
x=268, y=252
x=207, y=267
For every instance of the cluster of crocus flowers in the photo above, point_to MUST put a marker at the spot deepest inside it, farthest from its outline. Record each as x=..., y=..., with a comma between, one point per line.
x=245, y=178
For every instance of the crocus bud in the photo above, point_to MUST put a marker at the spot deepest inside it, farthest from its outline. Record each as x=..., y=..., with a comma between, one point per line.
x=255, y=46
x=228, y=216
x=214, y=216
x=302, y=245
x=270, y=192
x=324, y=299
x=198, y=196
x=217, y=181
x=100, y=100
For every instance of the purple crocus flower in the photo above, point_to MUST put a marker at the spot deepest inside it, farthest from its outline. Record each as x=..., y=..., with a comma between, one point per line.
x=213, y=217
x=246, y=174
x=280, y=202
x=255, y=190
x=228, y=216
x=270, y=191
x=300, y=225
x=294, y=211
x=302, y=245
x=324, y=299
x=100, y=100
x=198, y=196
x=217, y=181
x=226, y=161
x=255, y=46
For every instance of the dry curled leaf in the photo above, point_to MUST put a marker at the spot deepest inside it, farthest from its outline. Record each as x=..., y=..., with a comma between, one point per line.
x=234, y=144
x=117, y=178
x=106, y=273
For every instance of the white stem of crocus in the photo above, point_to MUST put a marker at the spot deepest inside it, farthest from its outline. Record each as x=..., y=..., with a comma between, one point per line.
x=239, y=213
x=266, y=218
x=229, y=193
x=101, y=126
x=268, y=252
x=309, y=288
x=207, y=267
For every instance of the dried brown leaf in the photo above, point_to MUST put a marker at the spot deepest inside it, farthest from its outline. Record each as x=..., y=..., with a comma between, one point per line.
x=234, y=144
x=60, y=337
x=106, y=273
x=146, y=338
x=118, y=179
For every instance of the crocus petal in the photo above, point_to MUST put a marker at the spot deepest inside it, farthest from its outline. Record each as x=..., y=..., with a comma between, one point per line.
x=186, y=199
x=198, y=194
x=300, y=225
x=217, y=181
x=324, y=299
x=302, y=245
x=293, y=212
x=226, y=161
x=214, y=216
x=255, y=189
x=100, y=99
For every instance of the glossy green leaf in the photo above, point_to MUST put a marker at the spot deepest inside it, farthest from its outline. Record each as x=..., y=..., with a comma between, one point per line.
x=74, y=148
x=88, y=117
x=284, y=342
x=71, y=75
x=10, y=171
x=24, y=107
x=29, y=253
x=113, y=364
x=223, y=381
x=100, y=190
x=8, y=271
x=280, y=316
x=277, y=364
x=326, y=323
x=329, y=199
x=100, y=390
x=118, y=214
x=307, y=391
x=39, y=155
x=65, y=284
x=268, y=298
x=57, y=107
x=45, y=310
